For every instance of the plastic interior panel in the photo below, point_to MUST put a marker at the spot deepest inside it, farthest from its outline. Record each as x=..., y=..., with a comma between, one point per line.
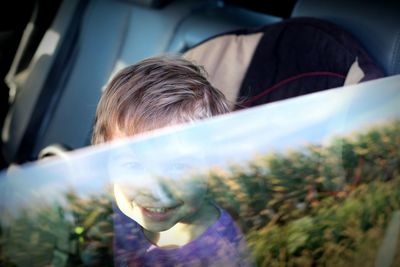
x=98, y=47
x=28, y=92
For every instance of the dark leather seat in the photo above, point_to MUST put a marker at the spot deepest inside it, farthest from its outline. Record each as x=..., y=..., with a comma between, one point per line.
x=376, y=24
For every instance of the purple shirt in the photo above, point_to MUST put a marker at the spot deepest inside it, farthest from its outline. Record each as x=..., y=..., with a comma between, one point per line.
x=222, y=244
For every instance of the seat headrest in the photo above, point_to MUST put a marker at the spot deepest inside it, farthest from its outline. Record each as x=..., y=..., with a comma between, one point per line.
x=376, y=24
x=150, y=3
x=297, y=56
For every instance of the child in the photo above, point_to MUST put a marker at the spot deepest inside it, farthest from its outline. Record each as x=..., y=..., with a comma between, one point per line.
x=162, y=217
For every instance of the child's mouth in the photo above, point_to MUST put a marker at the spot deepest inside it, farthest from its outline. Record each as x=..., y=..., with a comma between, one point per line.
x=156, y=210
x=158, y=213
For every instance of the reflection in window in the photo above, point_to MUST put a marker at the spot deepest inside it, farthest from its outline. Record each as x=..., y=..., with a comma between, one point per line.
x=321, y=205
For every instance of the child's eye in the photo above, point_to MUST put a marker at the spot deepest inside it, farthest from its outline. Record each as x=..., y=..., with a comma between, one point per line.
x=132, y=166
x=178, y=167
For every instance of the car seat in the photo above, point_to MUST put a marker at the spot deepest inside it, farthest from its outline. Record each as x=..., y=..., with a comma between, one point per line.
x=312, y=46
x=56, y=97
x=287, y=59
x=376, y=24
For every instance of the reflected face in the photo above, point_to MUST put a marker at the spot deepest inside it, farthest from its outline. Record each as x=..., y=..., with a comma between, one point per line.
x=157, y=190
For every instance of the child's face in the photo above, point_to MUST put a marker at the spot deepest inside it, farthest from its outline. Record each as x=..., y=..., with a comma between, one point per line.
x=158, y=188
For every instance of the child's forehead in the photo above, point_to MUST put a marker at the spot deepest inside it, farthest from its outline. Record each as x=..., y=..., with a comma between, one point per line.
x=166, y=147
x=170, y=157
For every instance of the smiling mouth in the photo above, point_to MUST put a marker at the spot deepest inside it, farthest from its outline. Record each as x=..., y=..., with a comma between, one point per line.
x=157, y=210
x=158, y=213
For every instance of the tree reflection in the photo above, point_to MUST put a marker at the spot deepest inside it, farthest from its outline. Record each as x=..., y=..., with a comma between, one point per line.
x=322, y=205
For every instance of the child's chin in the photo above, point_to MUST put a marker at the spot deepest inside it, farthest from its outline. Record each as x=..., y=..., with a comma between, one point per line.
x=155, y=226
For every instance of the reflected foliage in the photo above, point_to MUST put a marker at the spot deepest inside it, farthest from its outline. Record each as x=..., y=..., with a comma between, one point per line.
x=322, y=205
x=78, y=233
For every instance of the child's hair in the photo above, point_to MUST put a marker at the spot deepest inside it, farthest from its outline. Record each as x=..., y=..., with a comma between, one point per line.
x=156, y=92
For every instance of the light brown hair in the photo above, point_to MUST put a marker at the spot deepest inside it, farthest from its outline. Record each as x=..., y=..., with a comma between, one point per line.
x=154, y=93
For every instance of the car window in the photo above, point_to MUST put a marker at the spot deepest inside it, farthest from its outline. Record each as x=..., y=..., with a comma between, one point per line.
x=311, y=181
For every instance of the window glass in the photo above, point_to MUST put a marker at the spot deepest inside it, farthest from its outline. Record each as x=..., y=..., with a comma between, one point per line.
x=311, y=181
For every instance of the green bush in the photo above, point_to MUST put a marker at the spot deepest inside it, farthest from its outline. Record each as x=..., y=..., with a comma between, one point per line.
x=316, y=206
x=320, y=205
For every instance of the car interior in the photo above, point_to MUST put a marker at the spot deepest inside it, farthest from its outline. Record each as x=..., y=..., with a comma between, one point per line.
x=57, y=75
x=337, y=199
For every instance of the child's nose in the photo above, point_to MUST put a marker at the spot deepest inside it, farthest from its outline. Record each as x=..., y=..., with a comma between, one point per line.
x=158, y=191
x=161, y=192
